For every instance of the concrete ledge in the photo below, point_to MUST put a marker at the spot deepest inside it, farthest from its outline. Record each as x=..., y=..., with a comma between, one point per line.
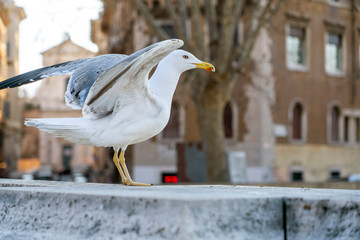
x=59, y=210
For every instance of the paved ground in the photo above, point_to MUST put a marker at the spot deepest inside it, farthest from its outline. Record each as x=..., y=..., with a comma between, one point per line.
x=60, y=210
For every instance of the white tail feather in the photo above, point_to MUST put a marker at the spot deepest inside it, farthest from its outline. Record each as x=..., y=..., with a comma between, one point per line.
x=72, y=129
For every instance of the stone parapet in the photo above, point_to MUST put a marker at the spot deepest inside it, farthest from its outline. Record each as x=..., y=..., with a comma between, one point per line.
x=63, y=210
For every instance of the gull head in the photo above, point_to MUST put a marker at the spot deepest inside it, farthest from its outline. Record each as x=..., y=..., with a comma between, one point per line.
x=183, y=61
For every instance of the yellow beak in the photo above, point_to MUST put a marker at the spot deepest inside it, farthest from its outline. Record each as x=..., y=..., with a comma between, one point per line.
x=204, y=65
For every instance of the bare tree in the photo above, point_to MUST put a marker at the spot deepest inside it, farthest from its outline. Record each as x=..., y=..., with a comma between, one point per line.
x=214, y=27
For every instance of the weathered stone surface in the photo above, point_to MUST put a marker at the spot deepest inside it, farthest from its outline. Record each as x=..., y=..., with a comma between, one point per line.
x=323, y=219
x=58, y=210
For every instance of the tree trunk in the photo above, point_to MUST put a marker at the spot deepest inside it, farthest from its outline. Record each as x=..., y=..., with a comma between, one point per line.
x=210, y=109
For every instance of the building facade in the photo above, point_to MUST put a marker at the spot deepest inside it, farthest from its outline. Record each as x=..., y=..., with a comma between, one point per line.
x=57, y=154
x=4, y=22
x=294, y=115
x=13, y=105
x=317, y=108
x=10, y=103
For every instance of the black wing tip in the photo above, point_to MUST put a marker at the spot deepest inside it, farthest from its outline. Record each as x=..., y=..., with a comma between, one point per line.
x=8, y=83
x=17, y=81
x=35, y=75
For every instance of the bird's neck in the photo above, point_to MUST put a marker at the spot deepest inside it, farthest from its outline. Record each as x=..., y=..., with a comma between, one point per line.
x=164, y=81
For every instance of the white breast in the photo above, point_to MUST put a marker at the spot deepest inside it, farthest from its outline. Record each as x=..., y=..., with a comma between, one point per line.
x=127, y=127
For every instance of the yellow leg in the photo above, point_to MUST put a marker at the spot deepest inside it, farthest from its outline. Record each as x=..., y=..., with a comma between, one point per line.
x=116, y=161
x=129, y=181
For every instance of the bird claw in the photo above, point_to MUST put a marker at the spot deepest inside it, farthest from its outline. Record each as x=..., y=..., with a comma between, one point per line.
x=132, y=183
x=124, y=173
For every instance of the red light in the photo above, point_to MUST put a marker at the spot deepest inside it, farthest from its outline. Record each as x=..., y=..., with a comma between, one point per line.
x=174, y=179
x=171, y=179
x=167, y=179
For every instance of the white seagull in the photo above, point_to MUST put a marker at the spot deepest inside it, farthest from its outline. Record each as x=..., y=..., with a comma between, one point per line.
x=120, y=104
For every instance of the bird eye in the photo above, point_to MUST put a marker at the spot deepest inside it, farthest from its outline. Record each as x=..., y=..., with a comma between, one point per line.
x=185, y=56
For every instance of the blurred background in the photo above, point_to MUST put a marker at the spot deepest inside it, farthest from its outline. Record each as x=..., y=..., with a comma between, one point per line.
x=282, y=109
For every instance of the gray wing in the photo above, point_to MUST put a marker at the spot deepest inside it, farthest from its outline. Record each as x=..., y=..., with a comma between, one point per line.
x=126, y=82
x=38, y=74
x=85, y=75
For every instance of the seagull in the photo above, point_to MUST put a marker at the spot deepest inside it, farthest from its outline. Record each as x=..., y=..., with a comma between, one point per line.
x=120, y=104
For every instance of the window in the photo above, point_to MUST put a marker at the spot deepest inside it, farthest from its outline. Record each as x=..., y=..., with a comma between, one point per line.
x=296, y=47
x=297, y=176
x=334, y=175
x=357, y=129
x=350, y=126
x=67, y=155
x=297, y=122
x=333, y=53
x=346, y=129
x=228, y=121
x=172, y=129
x=335, y=124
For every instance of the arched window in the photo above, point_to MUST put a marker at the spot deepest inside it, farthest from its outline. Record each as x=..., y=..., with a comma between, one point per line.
x=357, y=129
x=228, y=121
x=346, y=129
x=297, y=122
x=172, y=129
x=335, y=124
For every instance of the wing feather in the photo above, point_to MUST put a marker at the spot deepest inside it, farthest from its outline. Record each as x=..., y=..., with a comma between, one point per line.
x=38, y=74
x=85, y=75
x=126, y=82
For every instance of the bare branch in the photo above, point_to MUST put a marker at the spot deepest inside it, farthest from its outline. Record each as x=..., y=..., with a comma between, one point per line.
x=211, y=18
x=253, y=16
x=238, y=9
x=179, y=28
x=197, y=29
x=231, y=11
x=243, y=50
x=183, y=15
x=274, y=10
x=144, y=10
